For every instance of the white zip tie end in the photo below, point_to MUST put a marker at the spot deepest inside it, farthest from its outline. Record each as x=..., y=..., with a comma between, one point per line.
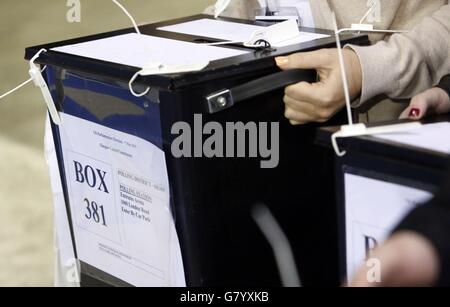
x=361, y=130
x=362, y=27
x=25, y=82
x=133, y=21
x=36, y=75
x=130, y=86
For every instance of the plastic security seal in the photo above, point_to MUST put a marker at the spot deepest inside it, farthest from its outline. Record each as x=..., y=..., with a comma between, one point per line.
x=362, y=27
x=273, y=35
x=158, y=68
x=361, y=130
x=276, y=33
x=162, y=69
x=36, y=74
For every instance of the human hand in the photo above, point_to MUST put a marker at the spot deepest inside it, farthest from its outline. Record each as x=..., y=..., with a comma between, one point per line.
x=432, y=101
x=318, y=102
x=407, y=260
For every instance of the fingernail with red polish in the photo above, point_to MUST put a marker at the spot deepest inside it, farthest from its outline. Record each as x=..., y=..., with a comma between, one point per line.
x=414, y=112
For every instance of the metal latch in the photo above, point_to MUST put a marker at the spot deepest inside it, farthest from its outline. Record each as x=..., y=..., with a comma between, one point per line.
x=219, y=101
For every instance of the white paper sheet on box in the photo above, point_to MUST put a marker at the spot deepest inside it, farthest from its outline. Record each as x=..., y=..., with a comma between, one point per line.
x=118, y=188
x=432, y=136
x=138, y=50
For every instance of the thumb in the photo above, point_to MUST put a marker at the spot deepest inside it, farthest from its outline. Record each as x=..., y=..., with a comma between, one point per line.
x=301, y=60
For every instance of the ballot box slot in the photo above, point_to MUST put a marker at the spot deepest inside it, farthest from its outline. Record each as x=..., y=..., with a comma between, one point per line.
x=227, y=98
x=263, y=44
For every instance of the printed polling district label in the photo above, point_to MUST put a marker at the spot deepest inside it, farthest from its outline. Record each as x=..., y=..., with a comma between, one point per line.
x=120, y=203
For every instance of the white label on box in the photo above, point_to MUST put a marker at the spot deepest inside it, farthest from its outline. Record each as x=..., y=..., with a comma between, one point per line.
x=120, y=203
x=373, y=209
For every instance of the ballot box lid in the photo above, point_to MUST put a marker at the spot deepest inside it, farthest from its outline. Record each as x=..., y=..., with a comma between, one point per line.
x=389, y=149
x=248, y=63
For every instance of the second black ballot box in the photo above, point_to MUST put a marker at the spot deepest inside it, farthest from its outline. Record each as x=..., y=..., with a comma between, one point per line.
x=212, y=198
x=380, y=180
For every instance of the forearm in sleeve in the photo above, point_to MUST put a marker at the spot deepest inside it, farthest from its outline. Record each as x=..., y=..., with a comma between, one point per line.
x=407, y=63
x=242, y=9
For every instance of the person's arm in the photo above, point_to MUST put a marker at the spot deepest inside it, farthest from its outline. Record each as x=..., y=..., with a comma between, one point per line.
x=404, y=65
x=408, y=63
x=433, y=101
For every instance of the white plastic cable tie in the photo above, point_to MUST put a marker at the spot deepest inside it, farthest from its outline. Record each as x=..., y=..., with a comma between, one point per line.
x=36, y=75
x=158, y=68
x=133, y=21
x=361, y=130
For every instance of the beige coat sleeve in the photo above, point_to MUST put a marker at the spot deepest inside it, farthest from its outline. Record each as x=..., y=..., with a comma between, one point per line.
x=238, y=9
x=407, y=64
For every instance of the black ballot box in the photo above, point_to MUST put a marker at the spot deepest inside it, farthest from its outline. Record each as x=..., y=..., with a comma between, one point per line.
x=212, y=198
x=380, y=180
